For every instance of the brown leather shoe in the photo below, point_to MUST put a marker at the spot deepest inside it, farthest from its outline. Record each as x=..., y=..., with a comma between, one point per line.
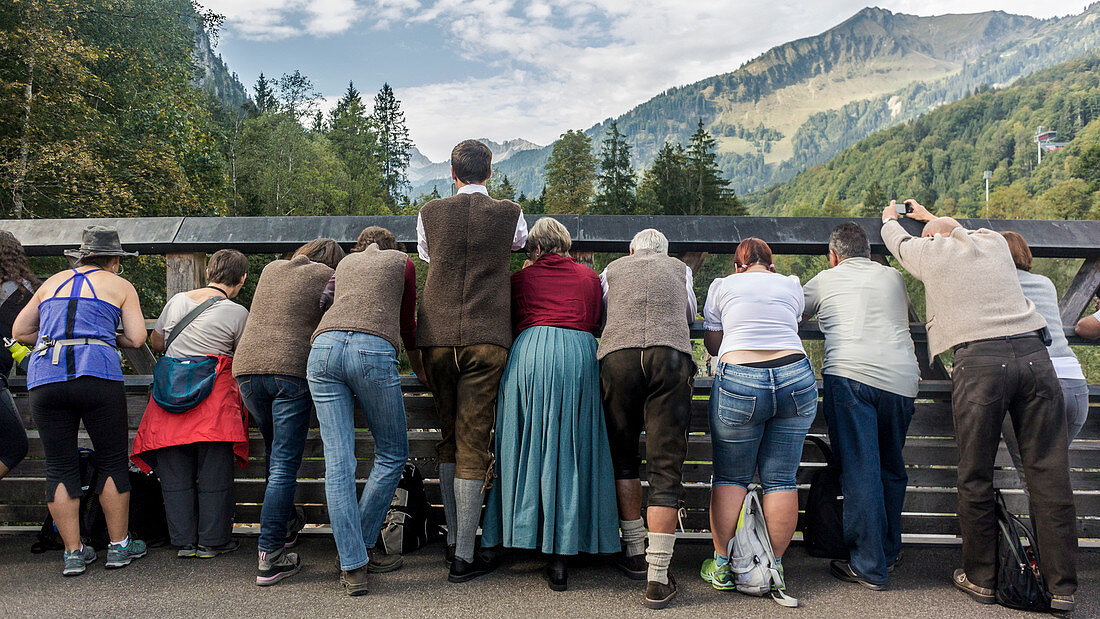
x=658, y=594
x=355, y=581
x=981, y=595
x=842, y=570
x=380, y=562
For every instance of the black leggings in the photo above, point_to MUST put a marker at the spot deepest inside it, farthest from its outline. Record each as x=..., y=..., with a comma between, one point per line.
x=13, y=436
x=58, y=409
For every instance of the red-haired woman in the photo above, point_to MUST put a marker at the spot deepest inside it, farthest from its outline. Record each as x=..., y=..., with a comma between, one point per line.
x=763, y=400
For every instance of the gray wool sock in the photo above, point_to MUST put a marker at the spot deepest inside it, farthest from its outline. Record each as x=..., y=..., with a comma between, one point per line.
x=447, y=489
x=633, y=536
x=468, y=501
x=659, y=555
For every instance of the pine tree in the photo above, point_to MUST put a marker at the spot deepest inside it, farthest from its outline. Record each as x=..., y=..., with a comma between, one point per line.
x=394, y=145
x=265, y=95
x=356, y=145
x=502, y=189
x=874, y=200
x=710, y=193
x=666, y=186
x=616, y=178
x=570, y=174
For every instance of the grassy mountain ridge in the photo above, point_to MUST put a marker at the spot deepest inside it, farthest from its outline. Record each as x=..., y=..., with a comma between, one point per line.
x=939, y=157
x=801, y=103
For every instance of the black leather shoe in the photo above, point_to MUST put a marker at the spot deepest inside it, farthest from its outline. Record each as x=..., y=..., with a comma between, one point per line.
x=634, y=566
x=449, y=553
x=557, y=574
x=462, y=570
x=843, y=571
x=658, y=595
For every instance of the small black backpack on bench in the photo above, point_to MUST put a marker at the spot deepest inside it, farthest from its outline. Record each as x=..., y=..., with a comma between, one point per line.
x=1019, y=583
x=823, y=523
x=409, y=524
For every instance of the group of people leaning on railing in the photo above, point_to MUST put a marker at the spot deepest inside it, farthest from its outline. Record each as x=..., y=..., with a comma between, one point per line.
x=540, y=420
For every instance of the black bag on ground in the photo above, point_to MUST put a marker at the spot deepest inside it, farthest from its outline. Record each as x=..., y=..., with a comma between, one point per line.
x=1020, y=585
x=93, y=524
x=823, y=522
x=148, y=522
x=409, y=523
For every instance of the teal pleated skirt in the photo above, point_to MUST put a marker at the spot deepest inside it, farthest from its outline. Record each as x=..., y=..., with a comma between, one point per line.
x=555, y=490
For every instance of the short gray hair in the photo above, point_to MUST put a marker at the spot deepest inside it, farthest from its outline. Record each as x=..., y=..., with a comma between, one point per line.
x=849, y=240
x=651, y=240
x=550, y=236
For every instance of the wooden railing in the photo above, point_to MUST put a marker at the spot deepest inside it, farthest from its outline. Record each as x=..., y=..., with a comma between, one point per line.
x=930, y=451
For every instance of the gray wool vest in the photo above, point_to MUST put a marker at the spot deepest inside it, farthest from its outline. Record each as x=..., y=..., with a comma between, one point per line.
x=369, y=287
x=646, y=304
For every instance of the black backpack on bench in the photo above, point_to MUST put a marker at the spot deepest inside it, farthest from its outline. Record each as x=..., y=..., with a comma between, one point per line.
x=823, y=522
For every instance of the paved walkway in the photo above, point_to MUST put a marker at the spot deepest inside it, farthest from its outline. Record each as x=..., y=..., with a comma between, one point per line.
x=160, y=585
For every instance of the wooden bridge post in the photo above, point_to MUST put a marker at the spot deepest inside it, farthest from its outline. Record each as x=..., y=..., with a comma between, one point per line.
x=185, y=272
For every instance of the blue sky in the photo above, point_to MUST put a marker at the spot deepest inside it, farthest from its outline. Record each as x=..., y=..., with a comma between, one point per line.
x=504, y=69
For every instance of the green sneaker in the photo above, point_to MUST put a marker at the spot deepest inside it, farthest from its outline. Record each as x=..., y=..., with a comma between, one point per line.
x=721, y=578
x=76, y=561
x=121, y=556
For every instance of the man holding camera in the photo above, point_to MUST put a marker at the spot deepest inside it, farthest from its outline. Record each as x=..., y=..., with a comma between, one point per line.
x=976, y=307
x=870, y=377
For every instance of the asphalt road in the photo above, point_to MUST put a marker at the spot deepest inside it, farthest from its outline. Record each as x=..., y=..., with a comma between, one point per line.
x=161, y=585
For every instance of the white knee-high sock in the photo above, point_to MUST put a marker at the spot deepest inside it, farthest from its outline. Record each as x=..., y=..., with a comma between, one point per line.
x=447, y=489
x=659, y=555
x=633, y=536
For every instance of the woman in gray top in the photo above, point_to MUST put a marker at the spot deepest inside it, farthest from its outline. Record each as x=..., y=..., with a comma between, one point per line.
x=1075, y=389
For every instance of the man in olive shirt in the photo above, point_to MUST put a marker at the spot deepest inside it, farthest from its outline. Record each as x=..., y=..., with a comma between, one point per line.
x=977, y=308
x=870, y=383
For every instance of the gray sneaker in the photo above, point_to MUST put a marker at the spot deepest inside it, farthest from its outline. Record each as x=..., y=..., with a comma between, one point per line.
x=275, y=566
x=77, y=560
x=121, y=556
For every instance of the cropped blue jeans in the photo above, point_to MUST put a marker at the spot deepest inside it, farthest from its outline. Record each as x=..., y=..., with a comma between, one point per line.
x=343, y=367
x=758, y=422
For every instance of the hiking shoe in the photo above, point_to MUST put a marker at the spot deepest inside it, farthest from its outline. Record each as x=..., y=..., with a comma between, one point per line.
x=380, y=562
x=1062, y=603
x=209, y=552
x=634, y=566
x=355, y=581
x=658, y=594
x=187, y=552
x=842, y=570
x=294, y=526
x=981, y=595
x=121, y=556
x=720, y=577
x=76, y=561
x=277, y=565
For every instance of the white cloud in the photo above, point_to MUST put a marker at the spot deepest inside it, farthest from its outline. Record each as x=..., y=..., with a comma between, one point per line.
x=564, y=64
x=266, y=20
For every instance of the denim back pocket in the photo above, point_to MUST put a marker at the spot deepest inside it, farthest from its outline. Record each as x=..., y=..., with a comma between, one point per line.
x=317, y=363
x=379, y=368
x=734, y=409
x=805, y=401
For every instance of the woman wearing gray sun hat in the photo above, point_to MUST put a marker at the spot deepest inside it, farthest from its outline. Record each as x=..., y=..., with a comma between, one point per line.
x=74, y=376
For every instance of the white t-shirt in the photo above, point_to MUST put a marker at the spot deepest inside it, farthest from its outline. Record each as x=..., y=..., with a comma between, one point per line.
x=755, y=311
x=216, y=331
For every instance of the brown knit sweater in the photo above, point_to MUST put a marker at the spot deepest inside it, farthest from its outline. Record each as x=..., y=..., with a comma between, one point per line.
x=646, y=304
x=285, y=311
x=467, y=297
x=369, y=287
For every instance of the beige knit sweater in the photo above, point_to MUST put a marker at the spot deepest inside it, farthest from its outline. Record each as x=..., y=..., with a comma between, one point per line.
x=970, y=285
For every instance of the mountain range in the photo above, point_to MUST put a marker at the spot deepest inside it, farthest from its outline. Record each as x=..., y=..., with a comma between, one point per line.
x=801, y=103
x=422, y=169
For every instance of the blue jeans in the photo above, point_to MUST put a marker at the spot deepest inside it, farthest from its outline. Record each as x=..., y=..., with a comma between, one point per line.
x=867, y=428
x=280, y=406
x=345, y=366
x=758, y=422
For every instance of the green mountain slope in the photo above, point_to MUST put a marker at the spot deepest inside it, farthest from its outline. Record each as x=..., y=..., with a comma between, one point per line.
x=940, y=157
x=801, y=103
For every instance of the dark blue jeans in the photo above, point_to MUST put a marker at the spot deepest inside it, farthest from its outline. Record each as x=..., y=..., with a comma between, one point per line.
x=281, y=407
x=867, y=428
